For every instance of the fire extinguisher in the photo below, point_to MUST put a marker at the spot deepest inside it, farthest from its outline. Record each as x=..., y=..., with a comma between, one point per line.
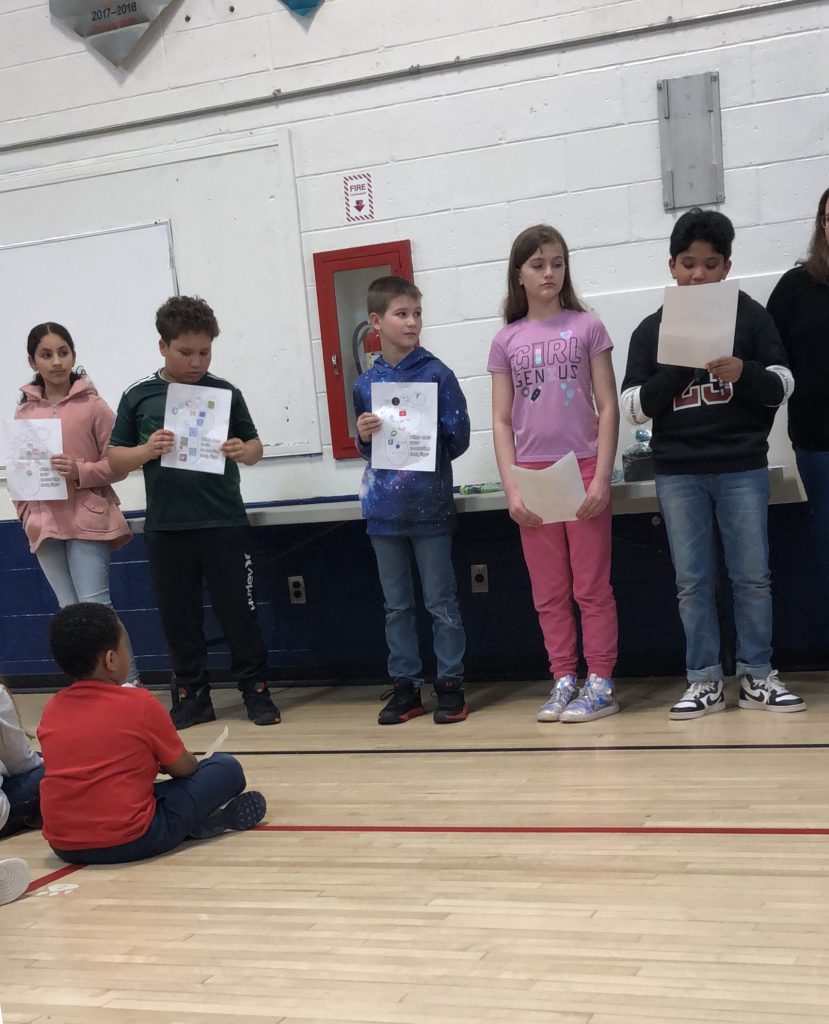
x=367, y=340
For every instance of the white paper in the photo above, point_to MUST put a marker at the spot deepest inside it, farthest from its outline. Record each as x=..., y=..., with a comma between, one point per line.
x=216, y=744
x=408, y=437
x=29, y=445
x=698, y=323
x=555, y=493
x=200, y=419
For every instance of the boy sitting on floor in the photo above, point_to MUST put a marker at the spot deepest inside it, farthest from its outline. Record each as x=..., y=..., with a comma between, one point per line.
x=103, y=746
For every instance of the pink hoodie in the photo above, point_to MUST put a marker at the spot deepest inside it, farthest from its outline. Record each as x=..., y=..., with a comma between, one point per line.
x=90, y=512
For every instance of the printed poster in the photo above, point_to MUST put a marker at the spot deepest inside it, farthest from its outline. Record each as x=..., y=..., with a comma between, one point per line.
x=408, y=437
x=112, y=27
x=200, y=419
x=29, y=446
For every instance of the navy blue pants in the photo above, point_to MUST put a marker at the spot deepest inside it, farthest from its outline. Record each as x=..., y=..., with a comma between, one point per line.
x=180, y=806
x=23, y=793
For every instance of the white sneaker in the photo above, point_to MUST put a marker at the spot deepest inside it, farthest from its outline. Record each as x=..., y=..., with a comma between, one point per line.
x=768, y=695
x=14, y=879
x=560, y=696
x=698, y=700
x=595, y=700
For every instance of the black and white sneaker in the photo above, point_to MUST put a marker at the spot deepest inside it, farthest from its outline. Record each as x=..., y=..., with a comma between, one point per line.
x=768, y=695
x=698, y=700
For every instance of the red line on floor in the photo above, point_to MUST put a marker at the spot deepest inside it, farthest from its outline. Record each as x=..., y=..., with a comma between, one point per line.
x=54, y=876
x=554, y=830
x=507, y=830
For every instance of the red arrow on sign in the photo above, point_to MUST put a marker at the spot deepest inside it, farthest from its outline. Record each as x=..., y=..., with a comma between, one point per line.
x=359, y=206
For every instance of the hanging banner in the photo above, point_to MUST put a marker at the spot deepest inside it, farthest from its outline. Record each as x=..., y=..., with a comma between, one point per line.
x=112, y=28
x=304, y=7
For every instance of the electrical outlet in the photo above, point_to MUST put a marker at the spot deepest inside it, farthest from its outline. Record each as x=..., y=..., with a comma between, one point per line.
x=480, y=579
x=296, y=589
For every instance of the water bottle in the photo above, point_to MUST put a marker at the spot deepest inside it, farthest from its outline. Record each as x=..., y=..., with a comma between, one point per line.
x=479, y=488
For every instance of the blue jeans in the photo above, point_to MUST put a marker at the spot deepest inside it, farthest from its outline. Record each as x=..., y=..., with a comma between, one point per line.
x=23, y=793
x=181, y=805
x=433, y=555
x=739, y=503
x=78, y=570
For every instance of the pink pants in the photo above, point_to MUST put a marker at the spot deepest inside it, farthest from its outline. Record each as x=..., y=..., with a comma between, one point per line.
x=567, y=562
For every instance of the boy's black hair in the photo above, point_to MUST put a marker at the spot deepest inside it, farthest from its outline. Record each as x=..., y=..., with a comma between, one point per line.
x=383, y=291
x=80, y=634
x=185, y=314
x=696, y=225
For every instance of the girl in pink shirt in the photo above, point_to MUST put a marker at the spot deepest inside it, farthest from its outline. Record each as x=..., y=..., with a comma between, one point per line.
x=553, y=392
x=72, y=538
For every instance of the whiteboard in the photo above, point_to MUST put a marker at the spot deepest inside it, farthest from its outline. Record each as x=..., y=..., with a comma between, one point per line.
x=103, y=287
x=230, y=202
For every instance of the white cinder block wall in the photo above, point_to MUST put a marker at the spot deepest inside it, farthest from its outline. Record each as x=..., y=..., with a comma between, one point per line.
x=462, y=157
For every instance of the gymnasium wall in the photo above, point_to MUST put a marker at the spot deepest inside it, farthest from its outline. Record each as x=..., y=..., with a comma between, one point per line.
x=475, y=118
x=461, y=158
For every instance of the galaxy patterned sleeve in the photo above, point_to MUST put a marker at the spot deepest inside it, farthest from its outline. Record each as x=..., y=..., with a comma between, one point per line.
x=453, y=415
x=359, y=400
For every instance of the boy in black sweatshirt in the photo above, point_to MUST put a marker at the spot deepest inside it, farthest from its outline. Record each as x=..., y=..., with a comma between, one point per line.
x=710, y=445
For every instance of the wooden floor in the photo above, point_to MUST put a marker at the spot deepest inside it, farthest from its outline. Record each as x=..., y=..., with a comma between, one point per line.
x=627, y=871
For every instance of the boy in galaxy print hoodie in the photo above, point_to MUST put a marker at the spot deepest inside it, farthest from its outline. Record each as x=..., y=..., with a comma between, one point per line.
x=413, y=513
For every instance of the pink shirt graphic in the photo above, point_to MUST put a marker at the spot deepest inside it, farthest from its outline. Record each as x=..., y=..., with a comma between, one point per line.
x=549, y=361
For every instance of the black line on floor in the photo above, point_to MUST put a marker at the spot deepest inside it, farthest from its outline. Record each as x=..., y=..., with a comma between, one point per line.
x=339, y=751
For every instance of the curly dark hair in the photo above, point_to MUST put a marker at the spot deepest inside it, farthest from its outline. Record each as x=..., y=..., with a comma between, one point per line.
x=80, y=634
x=185, y=314
x=697, y=225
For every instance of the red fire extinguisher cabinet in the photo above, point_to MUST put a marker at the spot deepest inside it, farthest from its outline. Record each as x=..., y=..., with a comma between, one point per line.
x=342, y=279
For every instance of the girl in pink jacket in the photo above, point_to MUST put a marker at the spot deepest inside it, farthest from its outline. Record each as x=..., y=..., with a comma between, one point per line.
x=72, y=538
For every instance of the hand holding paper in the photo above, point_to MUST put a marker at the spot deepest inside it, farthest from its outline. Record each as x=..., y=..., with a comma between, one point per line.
x=555, y=493
x=698, y=323
x=729, y=370
x=199, y=419
x=30, y=446
x=409, y=426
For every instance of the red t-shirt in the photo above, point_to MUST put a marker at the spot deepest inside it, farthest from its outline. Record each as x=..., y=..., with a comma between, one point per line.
x=102, y=748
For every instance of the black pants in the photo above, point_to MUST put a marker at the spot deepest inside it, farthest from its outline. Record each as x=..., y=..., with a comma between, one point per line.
x=179, y=561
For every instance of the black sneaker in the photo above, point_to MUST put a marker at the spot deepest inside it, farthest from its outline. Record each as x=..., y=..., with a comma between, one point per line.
x=261, y=709
x=451, y=701
x=698, y=700
x=404, y=705
x=768, y=695
x=239, y=814
x=191, y=708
